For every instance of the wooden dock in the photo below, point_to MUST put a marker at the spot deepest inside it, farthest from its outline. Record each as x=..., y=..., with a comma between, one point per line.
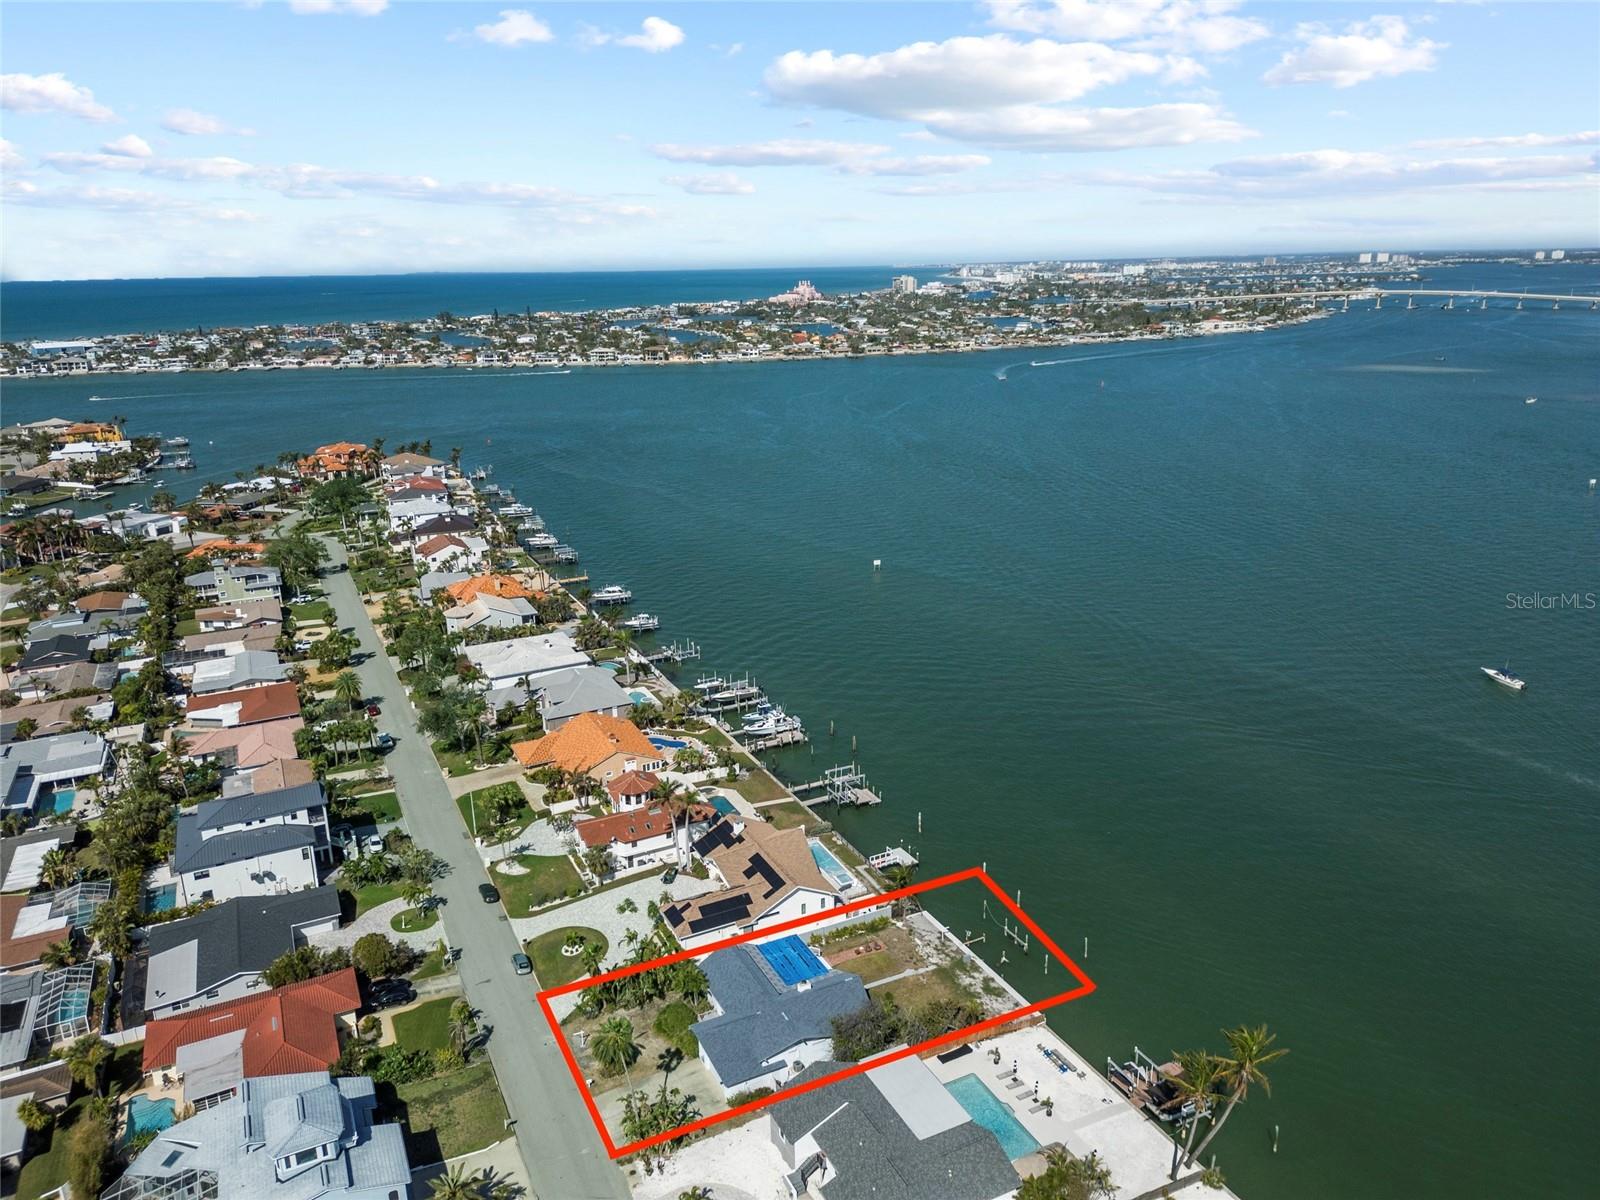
x=574, y=579
x=791, y=737
x=845, y=784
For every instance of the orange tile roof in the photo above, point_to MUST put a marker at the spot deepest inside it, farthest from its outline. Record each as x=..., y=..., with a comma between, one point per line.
x=632, y=783
x=507, y=587
x=290, y=1029
x=637, y=826
x=226, y=548
x=100, y=602
x=585, y=742
x=268, y=703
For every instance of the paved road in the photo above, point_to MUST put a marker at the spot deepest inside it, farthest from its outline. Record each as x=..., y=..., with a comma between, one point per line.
x=559, y=1143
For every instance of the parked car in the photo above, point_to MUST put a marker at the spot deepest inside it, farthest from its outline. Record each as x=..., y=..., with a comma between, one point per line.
x=669, y=874
x=374, y=711
x=490, y=893
x=391, y=993
x=385, y=741
x=372, y=844
x=522, y=963
x=302, y=647
x=302, y=598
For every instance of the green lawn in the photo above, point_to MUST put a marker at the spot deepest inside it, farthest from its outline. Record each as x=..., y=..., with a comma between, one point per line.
x=787, y=816
x=550, y=965
x=425, y=1027
x=316, y=611
x=47, y=1170
x=186, y=628
x=457, y=763
x=520, y=820
x=548, y=878
x=372, y=895
x=433, y=964
x=760, y=786
x=843, y=850
x=408, y=920
x=380, y=806
x=454, y=1114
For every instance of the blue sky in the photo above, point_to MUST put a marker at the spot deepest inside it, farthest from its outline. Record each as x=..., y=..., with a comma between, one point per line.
x=334, y=136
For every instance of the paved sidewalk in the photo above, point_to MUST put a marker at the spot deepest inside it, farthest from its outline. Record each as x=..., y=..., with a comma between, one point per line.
x=377, y=920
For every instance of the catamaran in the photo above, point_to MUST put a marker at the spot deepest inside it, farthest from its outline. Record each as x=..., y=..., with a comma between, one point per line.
x=1505, y=678
x=612, y=593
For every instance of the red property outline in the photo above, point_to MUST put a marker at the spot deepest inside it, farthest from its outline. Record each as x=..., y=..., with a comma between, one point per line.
x=1085, y=986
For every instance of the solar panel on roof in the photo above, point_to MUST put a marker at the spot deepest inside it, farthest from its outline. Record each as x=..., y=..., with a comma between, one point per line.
x=769, y=874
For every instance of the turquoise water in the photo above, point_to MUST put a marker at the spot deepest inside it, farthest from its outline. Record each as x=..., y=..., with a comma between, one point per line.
x=1191, y=660
x=988, y=1110
x=62, y=799
x=146, y=1115
x=830, y=866
x=161, y=899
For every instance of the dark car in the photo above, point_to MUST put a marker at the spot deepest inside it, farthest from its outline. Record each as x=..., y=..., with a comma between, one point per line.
x=374, y=711
x=669, y=874
x=522, y=963
x=490, y=893
x=385, y=741
x=391, y=993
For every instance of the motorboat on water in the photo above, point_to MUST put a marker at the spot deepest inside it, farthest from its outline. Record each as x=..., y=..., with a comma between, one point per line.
x=612, y=593
x=1531, y=400
x=1504, y=677
x=643, y=623
x=541, y=541
x=516, y=510
x=180, y=440
x=768, y=720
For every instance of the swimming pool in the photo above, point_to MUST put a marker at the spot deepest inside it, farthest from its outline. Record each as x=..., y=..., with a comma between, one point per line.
x=62, y=799
x=988, y=1110
x=831, y=868
x=161, y=899
x=791, y=960
x=666, y=743
x=723, y=805
x=150, y=1116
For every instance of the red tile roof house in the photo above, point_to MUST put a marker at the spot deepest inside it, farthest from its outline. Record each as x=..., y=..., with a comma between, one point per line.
x=242, y=706
x=644, y=837
x=287, y=1031
x=631, y=789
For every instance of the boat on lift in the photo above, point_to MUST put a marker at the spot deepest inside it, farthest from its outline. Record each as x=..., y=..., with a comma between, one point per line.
x=642, y=623
x=564, y=554
x=516, y=510
x=541, y=541
x=768, y=720
x=612, y=593
x=180, y=441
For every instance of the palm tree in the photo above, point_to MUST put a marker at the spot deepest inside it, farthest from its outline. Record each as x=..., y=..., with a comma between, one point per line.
x=56, y=869
x=347, y=686
x=699, y=1192
x=613, y=1045
x=591, y=957
x=109, y=928
x=676, y=802
x=35, y=1117
x=456, y=1184
x=60, y=954
x=463, y=1025
x=84, y=1058
x=1198, y=1085
x=1249, y=1050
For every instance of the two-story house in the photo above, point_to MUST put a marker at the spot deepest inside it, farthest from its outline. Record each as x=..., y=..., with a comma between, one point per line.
x=252, y=844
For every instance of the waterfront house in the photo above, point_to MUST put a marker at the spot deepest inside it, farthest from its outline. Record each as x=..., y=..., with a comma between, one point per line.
x=591, y=744
x=569, y=693
x=336, y=460
x=761, y=1030
x=46, y=771
x=456, y=523
x=252, y=844
x=488, y=611
x=236, y=583
x=147, y=526
x=432, y=582
x=295, y=1028
x=305, y=1136
x=449, y=550
x=405, y=465
x=892, y=1133
x=525, y=659
x=505, y=587
x=644, y=837
x=767, y=876
x=219, y=954
x=403, y=514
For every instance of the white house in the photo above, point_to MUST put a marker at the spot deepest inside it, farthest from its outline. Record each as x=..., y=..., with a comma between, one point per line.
x=645, y=836
x=490, y=612
x=509, y=662
x=252, y=845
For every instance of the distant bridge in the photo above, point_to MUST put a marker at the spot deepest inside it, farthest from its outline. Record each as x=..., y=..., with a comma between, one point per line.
x=1375, y=294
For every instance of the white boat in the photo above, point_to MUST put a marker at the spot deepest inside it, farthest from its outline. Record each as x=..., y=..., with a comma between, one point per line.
x=541, y=541
x=516, y=510
x=768, y=720
x=534, y=523
x=612, y=593
x=177, y=441
x=642, y=623
x=1531, y=400
x=1505, y=678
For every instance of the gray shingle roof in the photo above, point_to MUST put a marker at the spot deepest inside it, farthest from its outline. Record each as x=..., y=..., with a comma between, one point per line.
x=195, y=853
x=873, y=1154
x=761, y=1018
x=236, y=810
x=579, y=690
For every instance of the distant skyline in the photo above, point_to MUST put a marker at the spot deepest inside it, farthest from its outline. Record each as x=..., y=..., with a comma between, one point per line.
x=355, y=136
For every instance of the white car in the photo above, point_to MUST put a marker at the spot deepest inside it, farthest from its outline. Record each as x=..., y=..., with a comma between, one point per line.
x=302, y=598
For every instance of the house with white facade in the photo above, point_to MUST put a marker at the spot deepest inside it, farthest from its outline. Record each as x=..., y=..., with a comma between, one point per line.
x=485, y=611
x=236, y=582
x=526, y=658
x=763, y=1031
x=645, y=836
x=34, y=770
x=252, y=845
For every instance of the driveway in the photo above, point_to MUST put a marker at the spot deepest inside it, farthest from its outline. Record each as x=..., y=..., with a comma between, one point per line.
x=559, y=1144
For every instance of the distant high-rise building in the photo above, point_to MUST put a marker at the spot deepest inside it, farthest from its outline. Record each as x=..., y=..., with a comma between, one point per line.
x=1364, y=257
x=1538, y=256
x=1133, y=269
x=903, y=285
x=1383, y=256
x=1557, y=255
x=1270, y=260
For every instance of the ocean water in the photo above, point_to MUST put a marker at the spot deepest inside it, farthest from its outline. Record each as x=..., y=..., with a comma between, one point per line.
x=95, y=307
x=1180, y=639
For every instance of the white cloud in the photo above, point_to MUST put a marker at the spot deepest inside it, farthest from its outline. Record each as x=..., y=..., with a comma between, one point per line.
x=516, y=27
x=1329, y=173
x=51, y=93
x=11, y=158
x=1044, y=128
x=655, y=36
x=1587, y=137
x=129, y=146
x=784, y=152
x=354, y=8
x=920, y=164
x=1202, y=26
x=721, y=184
x=1372, y=49
x=961, y=74
x=191, y=123
x=122, y=200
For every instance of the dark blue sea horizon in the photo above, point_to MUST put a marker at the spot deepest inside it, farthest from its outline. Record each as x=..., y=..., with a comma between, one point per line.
x=97, y=307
